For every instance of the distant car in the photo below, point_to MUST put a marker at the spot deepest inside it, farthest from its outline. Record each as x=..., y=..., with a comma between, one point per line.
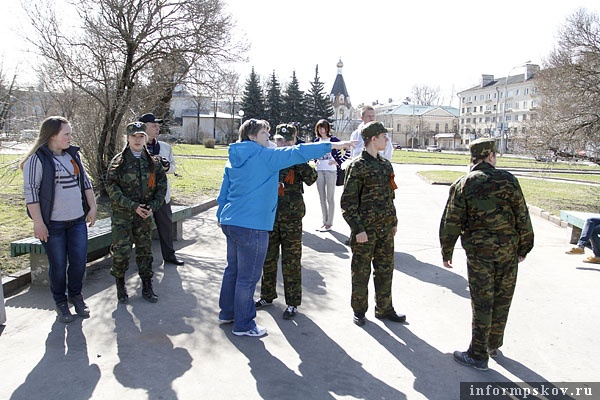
x=397, y=146
x=433, y=147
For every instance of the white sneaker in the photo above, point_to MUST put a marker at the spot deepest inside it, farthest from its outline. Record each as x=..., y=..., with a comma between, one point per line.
x=257, y=331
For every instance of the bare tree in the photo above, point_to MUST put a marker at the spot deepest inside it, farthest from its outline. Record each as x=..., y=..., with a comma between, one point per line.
x=116, y=44
x=568, y=93
x=6, y=94
x=426, y=95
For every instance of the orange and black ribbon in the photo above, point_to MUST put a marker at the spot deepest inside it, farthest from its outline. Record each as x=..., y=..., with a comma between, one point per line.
x=394, y=186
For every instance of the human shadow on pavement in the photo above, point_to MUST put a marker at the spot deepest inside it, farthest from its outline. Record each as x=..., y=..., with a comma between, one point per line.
x=148, y=358
x=429, y=273
x=437, y=375
x=525, y=374
x=325, y=245
x=327, y=368
x=65, y=370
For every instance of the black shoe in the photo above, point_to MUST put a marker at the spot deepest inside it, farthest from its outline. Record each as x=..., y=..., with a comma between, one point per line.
x=260, y=303
x=359, y=319
x=463, y=357
x=290, y=312
x=63, y=314
x=392, y=316
x=80, y=307
x=121, y=291
x=147, y=291
x=174, y=260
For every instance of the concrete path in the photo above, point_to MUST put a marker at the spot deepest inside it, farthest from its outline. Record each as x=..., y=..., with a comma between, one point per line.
x=175, y=349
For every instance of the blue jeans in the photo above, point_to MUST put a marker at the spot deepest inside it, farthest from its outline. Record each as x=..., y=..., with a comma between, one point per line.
x=67, y=244
x=589, y=233
x=246, y=252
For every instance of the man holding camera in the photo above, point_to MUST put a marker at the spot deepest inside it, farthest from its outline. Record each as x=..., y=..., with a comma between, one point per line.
x=163, y=216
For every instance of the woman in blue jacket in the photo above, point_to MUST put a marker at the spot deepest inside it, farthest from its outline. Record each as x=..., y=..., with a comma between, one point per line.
x=247, y=206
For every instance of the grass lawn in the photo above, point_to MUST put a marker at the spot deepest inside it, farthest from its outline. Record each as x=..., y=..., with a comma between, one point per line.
x=551, y=196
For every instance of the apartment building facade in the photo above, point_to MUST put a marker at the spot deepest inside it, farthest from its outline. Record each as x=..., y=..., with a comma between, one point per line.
x=499, y=108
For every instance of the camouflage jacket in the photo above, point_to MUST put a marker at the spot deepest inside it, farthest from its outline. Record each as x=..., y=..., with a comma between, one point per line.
x=290, y=202
x=129, y=181
x=368, y=198
x=487, y=209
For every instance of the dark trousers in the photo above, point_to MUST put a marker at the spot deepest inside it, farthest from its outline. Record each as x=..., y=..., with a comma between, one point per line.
x=163, y=217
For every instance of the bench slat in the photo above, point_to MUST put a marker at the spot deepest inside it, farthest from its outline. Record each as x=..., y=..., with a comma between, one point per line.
x=99, y=235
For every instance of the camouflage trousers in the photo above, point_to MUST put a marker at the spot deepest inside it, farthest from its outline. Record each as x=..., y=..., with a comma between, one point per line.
x=492, y=285
x=379, y=251
x=287, y=235
x=128, y=228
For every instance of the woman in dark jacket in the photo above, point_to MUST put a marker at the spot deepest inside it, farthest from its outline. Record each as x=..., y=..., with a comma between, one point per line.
x=60, y=199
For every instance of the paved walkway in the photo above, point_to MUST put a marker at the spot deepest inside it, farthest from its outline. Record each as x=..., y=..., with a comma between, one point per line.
x=174, y=349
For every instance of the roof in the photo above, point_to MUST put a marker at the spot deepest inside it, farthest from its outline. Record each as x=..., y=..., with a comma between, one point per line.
x=339, y=86
x=414, y=109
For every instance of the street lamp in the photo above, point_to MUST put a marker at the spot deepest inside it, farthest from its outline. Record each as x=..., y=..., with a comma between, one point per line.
x=502, y=134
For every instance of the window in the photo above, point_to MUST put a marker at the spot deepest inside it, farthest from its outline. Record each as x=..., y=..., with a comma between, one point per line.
x=524, y=117
x=517, y=92
x=437, y=128
x=480, y=108
x=516, y=105
x=398, y=128
x=468, y=109
x=525, y=104
x=526, y=91
x=446, y=127
x=495, y=107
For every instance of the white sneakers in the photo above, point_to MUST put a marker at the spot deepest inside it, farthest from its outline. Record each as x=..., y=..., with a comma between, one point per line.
x=257, y=331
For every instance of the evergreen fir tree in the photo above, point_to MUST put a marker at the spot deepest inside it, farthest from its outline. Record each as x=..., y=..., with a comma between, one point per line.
x=318, y=103
x=253, y=103
x=293, y=104
x=274, y=103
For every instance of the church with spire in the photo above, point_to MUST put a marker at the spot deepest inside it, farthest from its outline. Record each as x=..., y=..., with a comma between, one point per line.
x=343, y=123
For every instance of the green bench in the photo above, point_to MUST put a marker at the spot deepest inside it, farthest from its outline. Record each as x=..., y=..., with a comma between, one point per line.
x=99, y=241
x=576, y=220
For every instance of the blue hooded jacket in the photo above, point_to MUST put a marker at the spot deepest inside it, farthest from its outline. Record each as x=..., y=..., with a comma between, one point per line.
x=248, y=196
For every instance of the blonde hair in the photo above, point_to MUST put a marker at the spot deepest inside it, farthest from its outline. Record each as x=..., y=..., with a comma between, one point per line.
x=51, y=126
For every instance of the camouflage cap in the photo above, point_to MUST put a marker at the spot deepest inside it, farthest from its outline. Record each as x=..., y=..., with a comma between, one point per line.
x=371, y=129
x=287, y=131
x=136, y=127
x=482, y=147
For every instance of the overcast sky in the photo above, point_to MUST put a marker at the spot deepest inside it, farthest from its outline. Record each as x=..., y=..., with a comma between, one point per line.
x=387, y=46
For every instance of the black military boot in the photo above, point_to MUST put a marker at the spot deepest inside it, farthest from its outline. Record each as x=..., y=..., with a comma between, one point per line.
x=121, y=292
x=147, y=291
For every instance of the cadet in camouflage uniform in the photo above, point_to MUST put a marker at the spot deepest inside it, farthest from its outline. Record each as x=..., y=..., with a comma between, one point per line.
x=368, y=207
x=287, y=230
x=136, y=184
x=487, y=209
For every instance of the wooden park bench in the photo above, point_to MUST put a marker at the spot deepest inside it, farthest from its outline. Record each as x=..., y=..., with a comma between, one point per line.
x=99, y=241
x=576, y=220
